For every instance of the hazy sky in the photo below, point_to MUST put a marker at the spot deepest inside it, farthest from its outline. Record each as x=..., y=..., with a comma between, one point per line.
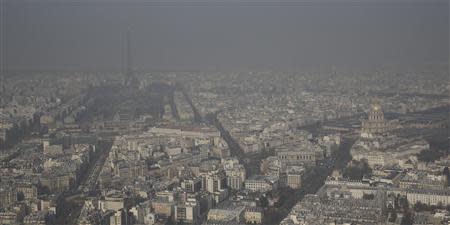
x=222, y=34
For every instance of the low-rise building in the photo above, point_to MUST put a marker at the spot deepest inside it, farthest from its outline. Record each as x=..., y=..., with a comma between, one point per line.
x=253, y=215
x=294, y=176
x=261, y=183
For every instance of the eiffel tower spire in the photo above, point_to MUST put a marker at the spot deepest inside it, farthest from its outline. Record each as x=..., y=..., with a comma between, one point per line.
x=129, y=69
x=130, y=79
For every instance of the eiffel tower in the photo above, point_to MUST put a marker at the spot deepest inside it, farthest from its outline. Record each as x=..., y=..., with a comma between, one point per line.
x=130, y=79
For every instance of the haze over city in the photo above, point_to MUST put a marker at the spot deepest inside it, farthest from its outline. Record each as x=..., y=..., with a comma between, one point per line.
x=187, y=35
x=224, y=112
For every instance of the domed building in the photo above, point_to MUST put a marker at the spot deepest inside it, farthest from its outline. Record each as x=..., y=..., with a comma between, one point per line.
x=375, y=124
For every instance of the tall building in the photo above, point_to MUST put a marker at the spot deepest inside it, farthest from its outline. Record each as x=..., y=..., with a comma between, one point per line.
x=187, y=212
x=192, y=185
x=215, y=181
x=235, y=173
x=375, y=124
x=130, y=79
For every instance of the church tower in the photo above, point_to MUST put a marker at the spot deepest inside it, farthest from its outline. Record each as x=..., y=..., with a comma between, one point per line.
x=375, y=124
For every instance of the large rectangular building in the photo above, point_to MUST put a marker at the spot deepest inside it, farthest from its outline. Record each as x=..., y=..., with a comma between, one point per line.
x=297, y=157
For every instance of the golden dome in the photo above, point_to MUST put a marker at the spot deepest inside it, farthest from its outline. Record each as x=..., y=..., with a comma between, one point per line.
x=376, y=105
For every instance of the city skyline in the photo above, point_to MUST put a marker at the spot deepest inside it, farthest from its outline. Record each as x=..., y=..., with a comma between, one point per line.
x=224, y=112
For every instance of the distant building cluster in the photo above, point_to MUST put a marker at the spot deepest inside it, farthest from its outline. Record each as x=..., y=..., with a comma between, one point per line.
x=217, y=148
x=32, y=181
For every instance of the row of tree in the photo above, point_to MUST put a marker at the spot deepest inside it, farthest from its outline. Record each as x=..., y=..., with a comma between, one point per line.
x=356, y=170
x=18, y=131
